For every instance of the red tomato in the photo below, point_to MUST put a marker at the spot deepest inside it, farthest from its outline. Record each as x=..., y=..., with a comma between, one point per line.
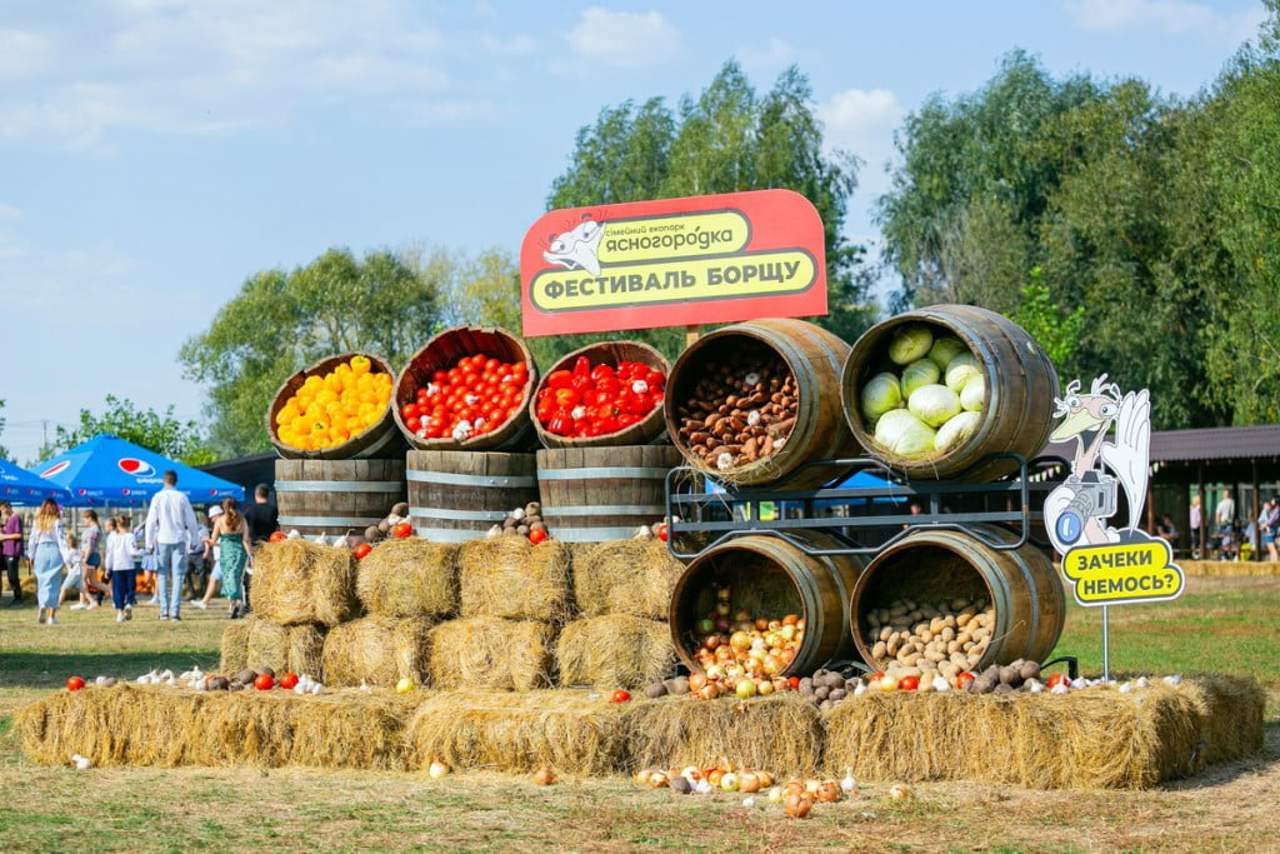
x=264, y=682
x=491, y=366
x=559, y=379
x=909, y=683
x=655, y=379
x=439, y=377
x=582, y=367
x=1057, y=679
x=794, y=682
x=408, y=411
x=600, y=372
x=75, y=683
x=537, y=535
x=362, y=551
x=664, y=532
x=402, y=530
x=620, y=696
x=277, y=537
x=963, y=680
x=414, y=423
x=626, y=419
x=289, y=681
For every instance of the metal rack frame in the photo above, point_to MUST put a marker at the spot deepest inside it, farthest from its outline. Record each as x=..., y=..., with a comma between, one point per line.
x=686, y=498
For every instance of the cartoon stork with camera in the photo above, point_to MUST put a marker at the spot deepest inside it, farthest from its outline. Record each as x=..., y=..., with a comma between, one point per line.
x=1077, y=512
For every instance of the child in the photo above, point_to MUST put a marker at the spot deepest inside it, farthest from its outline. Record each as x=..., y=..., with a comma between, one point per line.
x=75, y=579
x=119, y=564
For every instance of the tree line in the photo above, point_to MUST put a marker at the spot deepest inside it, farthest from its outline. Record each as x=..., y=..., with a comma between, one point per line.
x=1131, y=232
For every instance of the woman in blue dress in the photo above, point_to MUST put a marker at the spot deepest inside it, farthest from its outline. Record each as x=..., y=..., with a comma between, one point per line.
x=45, y=547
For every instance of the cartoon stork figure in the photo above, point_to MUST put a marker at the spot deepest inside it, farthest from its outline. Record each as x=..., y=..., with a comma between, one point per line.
x=1076, y=512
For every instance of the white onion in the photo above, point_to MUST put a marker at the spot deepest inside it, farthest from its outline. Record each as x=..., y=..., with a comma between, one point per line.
x=934, y=404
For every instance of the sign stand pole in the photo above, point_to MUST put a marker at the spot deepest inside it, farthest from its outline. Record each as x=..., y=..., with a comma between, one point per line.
x=692, y=333
x=1106, y=644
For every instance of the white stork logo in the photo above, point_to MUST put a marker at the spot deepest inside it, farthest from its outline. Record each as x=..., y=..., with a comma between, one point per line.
x=1076, y=513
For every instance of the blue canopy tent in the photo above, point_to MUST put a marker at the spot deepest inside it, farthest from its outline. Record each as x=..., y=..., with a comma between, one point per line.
x=19, y=486
x=109, y=471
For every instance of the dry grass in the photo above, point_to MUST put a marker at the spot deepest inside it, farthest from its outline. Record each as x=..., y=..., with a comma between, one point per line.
x=377, y=651
x=632, y=577
x=409, y=578
x=297, y=582
x=167, y=727
x=617, y=651
x=781, y=734
x=509, y=577
x=570, y=731
x=1094, y=738
x=1230, y=568
x=493, y=653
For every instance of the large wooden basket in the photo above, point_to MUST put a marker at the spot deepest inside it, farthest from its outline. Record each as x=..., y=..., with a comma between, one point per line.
x=381, y=441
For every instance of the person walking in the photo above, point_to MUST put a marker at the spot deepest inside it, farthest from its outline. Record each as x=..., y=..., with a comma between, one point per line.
x=73, y=574
x=47, y=559
x=215, y=570
x=1196, y=521
x=231, y=533
x=1269, y=525
x=170, y=528
x=119, y=564
x=92, y=591
x=10, y=550
x=1224, y=517
x=264, y=520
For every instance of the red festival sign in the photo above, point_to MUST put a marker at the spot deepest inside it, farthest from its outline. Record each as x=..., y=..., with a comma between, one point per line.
x=673, y=262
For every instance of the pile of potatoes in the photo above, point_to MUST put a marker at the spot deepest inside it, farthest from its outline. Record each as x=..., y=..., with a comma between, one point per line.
x=943, y=638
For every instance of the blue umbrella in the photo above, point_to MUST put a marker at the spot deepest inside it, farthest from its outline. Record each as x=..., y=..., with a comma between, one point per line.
x=107, y=470
x=19, y=486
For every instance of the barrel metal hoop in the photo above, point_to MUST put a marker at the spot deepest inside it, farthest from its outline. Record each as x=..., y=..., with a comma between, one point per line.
x=606, y=510
x=339, y=486
x=593, y=535
x=602, y=473
x=458, y=515
x=448, y=535
x=326, y=521
x=451, y=479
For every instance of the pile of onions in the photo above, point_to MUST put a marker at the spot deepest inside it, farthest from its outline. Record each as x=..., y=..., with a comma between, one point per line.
x=746, y=646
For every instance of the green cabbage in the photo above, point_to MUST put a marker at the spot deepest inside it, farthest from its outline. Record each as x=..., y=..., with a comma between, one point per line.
x=960, y=370
x=910, y=341
x=904, y=434
x=919, y=373
x=957, y=430
x=973, y=393
x=945, y=349
x=880, y=394
x=934, y=404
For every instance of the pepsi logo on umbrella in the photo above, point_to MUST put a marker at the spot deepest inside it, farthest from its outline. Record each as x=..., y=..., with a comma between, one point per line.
x=56, y=468
x=136, y=467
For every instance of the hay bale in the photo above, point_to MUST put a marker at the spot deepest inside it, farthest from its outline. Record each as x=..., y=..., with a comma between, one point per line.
x=234, y=655
x=377, y=651
x=305, y=647
x=297, y=582
x=781, y=733
x=166, y=727
x=1093, y=738
x=284, y=648
x=616, y=651
x=625, y=577
x=409, y=578
x=489, y=652
x=511, y=578
x=565, y=730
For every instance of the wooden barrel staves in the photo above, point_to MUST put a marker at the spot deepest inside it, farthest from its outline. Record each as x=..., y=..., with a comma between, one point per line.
x=590, y=495
x=382, y=440
x=1019, y=381
x=334, y=497
x=1020, y=585
x=455, y=496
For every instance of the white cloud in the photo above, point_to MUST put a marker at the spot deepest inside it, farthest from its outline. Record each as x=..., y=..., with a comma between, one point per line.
x=772, y=56
x=862, y=121
x=1174, y=17
x=22, y=53
x=625, y=39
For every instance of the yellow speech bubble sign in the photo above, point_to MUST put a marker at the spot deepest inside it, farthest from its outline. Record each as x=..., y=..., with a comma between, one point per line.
x=1124, y=573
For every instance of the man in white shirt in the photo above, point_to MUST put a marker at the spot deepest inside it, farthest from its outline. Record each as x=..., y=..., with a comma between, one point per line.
x=171, y=530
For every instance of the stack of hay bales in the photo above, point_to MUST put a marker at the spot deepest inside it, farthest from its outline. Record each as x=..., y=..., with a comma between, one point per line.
x=623, y=591
x=300, y=591
x=513, y=597
x=405, y=586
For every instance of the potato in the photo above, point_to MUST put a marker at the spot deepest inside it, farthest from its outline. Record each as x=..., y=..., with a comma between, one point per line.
x=656, y=690
x=677, y=686
x=1010, y=676
x=1029, y=670
x=821, y=692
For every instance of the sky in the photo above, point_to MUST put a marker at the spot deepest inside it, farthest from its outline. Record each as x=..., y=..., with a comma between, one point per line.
x=155, y=153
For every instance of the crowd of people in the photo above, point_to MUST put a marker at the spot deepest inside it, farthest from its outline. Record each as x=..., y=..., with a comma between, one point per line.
x=173, y=551
x=1227, y=535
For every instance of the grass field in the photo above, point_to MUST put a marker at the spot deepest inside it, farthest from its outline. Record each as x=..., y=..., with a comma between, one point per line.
x=1221, y=624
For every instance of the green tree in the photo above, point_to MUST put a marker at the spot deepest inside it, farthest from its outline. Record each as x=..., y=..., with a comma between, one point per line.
x=280, y=321
x=161, y=432
x=4, y=452
x=726, y=139
x=1056, y=329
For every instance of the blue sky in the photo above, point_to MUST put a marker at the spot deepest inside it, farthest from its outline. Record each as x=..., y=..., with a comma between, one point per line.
x=153, y=153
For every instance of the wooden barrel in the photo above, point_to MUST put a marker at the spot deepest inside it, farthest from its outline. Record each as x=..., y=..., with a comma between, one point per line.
x=591, y=495
x=771, y=578
x=455, y=496
x=814, y=356
x=381, y=441
x=926, y=566
x=336, y=496
x=650, y=428
x=1017, y=411
x=441, y=353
